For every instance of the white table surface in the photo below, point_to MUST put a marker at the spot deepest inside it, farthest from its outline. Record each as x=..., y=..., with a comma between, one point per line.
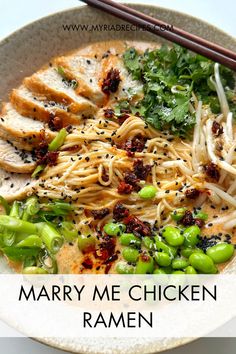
x=17, y=13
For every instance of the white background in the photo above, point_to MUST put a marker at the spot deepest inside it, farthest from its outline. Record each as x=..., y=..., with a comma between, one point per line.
x=17, y=13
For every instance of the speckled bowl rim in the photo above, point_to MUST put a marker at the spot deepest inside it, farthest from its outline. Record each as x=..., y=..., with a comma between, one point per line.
x=175, y=342
x=178, y=13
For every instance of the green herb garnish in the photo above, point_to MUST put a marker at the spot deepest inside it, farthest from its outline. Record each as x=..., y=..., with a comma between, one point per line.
x=170, y=77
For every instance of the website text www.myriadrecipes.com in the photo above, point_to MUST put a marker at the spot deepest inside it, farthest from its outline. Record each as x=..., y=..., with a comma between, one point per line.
x=73, y=27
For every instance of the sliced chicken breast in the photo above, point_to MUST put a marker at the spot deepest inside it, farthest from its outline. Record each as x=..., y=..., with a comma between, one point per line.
x=39, y=107
x=86, y=71
x=15, y=186
x=21, y=126
x=15, y=160
x=19, y=143
x=49, y=83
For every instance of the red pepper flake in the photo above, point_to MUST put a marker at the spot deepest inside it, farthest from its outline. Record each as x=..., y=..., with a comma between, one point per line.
x=132, y=179
x=106, y=249
x=212, y=171
x=124, y=188
x=87, y=212
x=145, y=257
x=45, y=157
x=108, y=113
x=102, y=254
x=126, y=146
x=192, y=193
x=136, y=226
x=130, y=154
x=187, y=219
x=217, y=128
x=123, y=118
x=137, y=144
x=55, y=123
x=140, y=170
x=199, y=222
x=41, y=150
x=105, y=176
x=87, y=263
x=111, y=82
x=125, y=113
x=49, y=159
x=120, y=212
x=100, y=213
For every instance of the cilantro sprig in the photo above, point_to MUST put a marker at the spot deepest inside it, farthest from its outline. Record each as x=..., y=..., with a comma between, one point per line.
x=170, y=76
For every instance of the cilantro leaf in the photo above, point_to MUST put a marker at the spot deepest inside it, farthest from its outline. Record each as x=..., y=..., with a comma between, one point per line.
x=132, y=63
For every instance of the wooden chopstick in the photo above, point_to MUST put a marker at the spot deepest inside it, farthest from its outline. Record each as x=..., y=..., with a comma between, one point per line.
x=179, y=36
x=176, y=30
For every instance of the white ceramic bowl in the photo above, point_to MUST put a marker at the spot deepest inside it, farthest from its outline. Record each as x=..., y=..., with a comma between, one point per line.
x=26, y=50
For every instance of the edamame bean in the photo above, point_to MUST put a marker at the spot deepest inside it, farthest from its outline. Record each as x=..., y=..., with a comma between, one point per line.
x=190, y=270
x=124, y=268
x=130, y=240
x=147, y=192
x=168, y=270
x=145, y=264
x=178, y=272
x=221, y=252
x=159, y=271
x=202, y=263
x=178, y=214
x=163, y=259
x=130, y=254
x=162, y=246
x=148, y=243
x=113, y=229
x=180, y=263
x=191, y=236
x=173, y=236
x=186, y=252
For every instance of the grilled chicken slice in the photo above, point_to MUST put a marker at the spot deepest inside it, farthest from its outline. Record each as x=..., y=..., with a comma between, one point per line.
x=128, y=88
x=19, y=143
x=86, y=71
x=39, y=107
x=16, y=125
x=14, y=160
x=23, y=132
x=50, y=84
x=15, y=186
